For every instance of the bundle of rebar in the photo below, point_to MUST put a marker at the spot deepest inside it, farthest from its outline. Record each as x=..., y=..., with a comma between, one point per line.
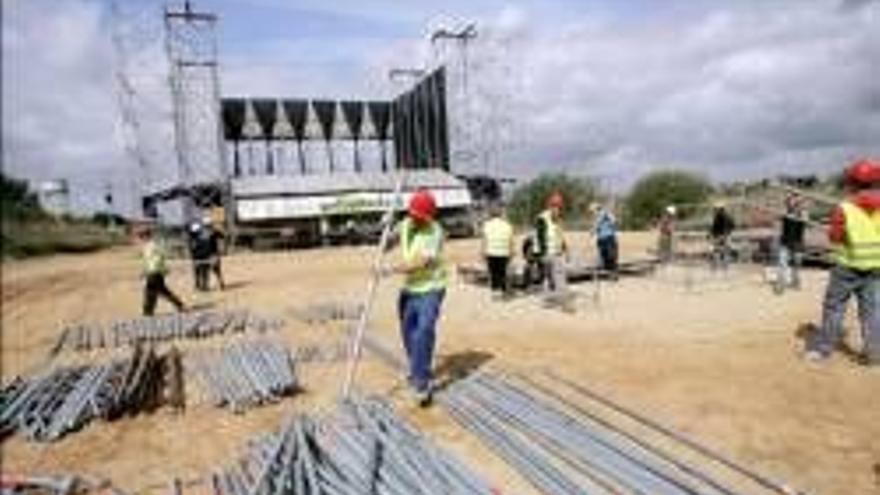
x=328, y=353
x=362, y=448
x=66, y=484
x=191, y=325
x=64, y=399
x=562, y=448
x=328, y=312
x=246, y=374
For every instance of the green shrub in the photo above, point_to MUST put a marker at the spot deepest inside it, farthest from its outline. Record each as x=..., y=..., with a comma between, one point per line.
x=529, y=199
x=657, y=190
x=21, y=239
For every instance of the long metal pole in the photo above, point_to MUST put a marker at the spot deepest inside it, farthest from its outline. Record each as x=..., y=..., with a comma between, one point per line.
x=757, y=478
x=372, y=286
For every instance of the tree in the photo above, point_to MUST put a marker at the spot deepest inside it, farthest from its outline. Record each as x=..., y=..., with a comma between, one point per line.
x=657, y=190
x=16, y=199
x=529, y=199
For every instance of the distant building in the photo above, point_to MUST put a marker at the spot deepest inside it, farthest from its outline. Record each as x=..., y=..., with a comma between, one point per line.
x=54, y=196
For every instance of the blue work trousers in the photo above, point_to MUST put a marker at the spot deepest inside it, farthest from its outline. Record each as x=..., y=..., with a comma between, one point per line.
x=418, y=315
x=844, y=282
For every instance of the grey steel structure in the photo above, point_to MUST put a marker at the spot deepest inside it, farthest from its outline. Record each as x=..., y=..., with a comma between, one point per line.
x=191, y=48
x=257, y=131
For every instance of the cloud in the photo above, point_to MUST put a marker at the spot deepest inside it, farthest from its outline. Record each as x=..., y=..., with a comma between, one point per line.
x=731, y=92
x=59, y=111
x=733, y=89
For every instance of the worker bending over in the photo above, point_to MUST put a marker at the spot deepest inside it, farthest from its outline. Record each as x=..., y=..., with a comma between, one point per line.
x=425, y=279
x=155, y=267
x=497, y=247
x=854, y=232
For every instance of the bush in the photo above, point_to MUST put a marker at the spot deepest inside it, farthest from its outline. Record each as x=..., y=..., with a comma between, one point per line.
x=529, y=200
x=657, y=190
x=21, y=239
x=27, y=230
x=17, y=202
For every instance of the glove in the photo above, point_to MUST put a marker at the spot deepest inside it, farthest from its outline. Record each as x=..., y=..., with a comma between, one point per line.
x=383, y=270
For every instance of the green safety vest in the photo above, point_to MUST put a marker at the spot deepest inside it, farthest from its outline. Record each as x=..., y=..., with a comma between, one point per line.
x=497, y=234
x=861, y=248
x=153, y=257
x=554, y=234
x=426, y=241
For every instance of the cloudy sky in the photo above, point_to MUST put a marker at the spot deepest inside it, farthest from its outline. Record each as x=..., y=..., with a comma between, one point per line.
x=733, y=89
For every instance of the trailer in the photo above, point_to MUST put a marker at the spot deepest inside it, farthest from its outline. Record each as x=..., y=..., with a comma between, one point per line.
x=342, y=208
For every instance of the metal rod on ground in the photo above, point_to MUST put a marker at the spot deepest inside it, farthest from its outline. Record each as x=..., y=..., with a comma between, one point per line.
x=357, y=338
x=761, y=480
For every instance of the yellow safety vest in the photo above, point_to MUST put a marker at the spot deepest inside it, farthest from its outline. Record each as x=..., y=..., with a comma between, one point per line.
x=554, y=234
x=153, y=257
x=497, y=234
x=423, y=242
x=861, y=248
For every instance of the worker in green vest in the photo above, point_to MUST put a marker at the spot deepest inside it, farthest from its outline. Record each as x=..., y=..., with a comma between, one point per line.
x=497, y=248
x=552, y=250
x=854, y=233
x=425, y=277
x=155, y=267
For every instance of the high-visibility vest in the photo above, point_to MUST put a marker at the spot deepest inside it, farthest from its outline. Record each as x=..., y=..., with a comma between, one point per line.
x=861, y=248
x=424, y=242
x=497, y=234
x=153, y=257
x=554, y=234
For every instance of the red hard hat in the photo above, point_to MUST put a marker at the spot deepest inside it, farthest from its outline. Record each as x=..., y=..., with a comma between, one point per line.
x=555, y=200
x=863, y=171
x=422, y=205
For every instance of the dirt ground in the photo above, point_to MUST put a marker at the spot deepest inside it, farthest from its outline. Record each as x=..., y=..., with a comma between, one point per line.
x=716, y=357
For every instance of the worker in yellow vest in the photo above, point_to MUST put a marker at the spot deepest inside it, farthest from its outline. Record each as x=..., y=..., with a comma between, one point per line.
x=497, y=248
x=854, y=232
x=155, y=267
x=425, y=278
x=552, y=250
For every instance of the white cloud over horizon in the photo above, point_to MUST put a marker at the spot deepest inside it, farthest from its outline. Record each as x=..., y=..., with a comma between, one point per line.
x=730, y=89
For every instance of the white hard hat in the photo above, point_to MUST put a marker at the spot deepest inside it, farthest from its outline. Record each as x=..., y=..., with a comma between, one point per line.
x=671, y=209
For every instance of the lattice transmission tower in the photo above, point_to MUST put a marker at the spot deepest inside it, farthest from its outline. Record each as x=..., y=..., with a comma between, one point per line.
x=191, y=48
x=141, y=95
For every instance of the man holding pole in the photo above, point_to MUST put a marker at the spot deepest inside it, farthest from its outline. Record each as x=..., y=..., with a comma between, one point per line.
x=425, y=280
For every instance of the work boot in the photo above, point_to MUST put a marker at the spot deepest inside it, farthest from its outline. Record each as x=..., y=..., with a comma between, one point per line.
x=422, y=397
x=814, y=356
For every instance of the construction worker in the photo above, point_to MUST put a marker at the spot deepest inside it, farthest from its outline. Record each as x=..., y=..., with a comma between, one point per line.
x=666, y=228
x=213, y=239
x=533, y=268
x=854, y=233
x=155, y=268
x=552, y=250
x=198, y=253
x=719, y=235
x=497, y=247
x=425, y=278
x=605, y=232
x=790, y=252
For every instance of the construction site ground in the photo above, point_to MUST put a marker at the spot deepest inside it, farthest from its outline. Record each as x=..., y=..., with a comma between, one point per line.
x=716, y=357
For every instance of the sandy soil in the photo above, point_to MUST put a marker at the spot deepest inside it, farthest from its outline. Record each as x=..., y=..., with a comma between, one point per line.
x=716, y=357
